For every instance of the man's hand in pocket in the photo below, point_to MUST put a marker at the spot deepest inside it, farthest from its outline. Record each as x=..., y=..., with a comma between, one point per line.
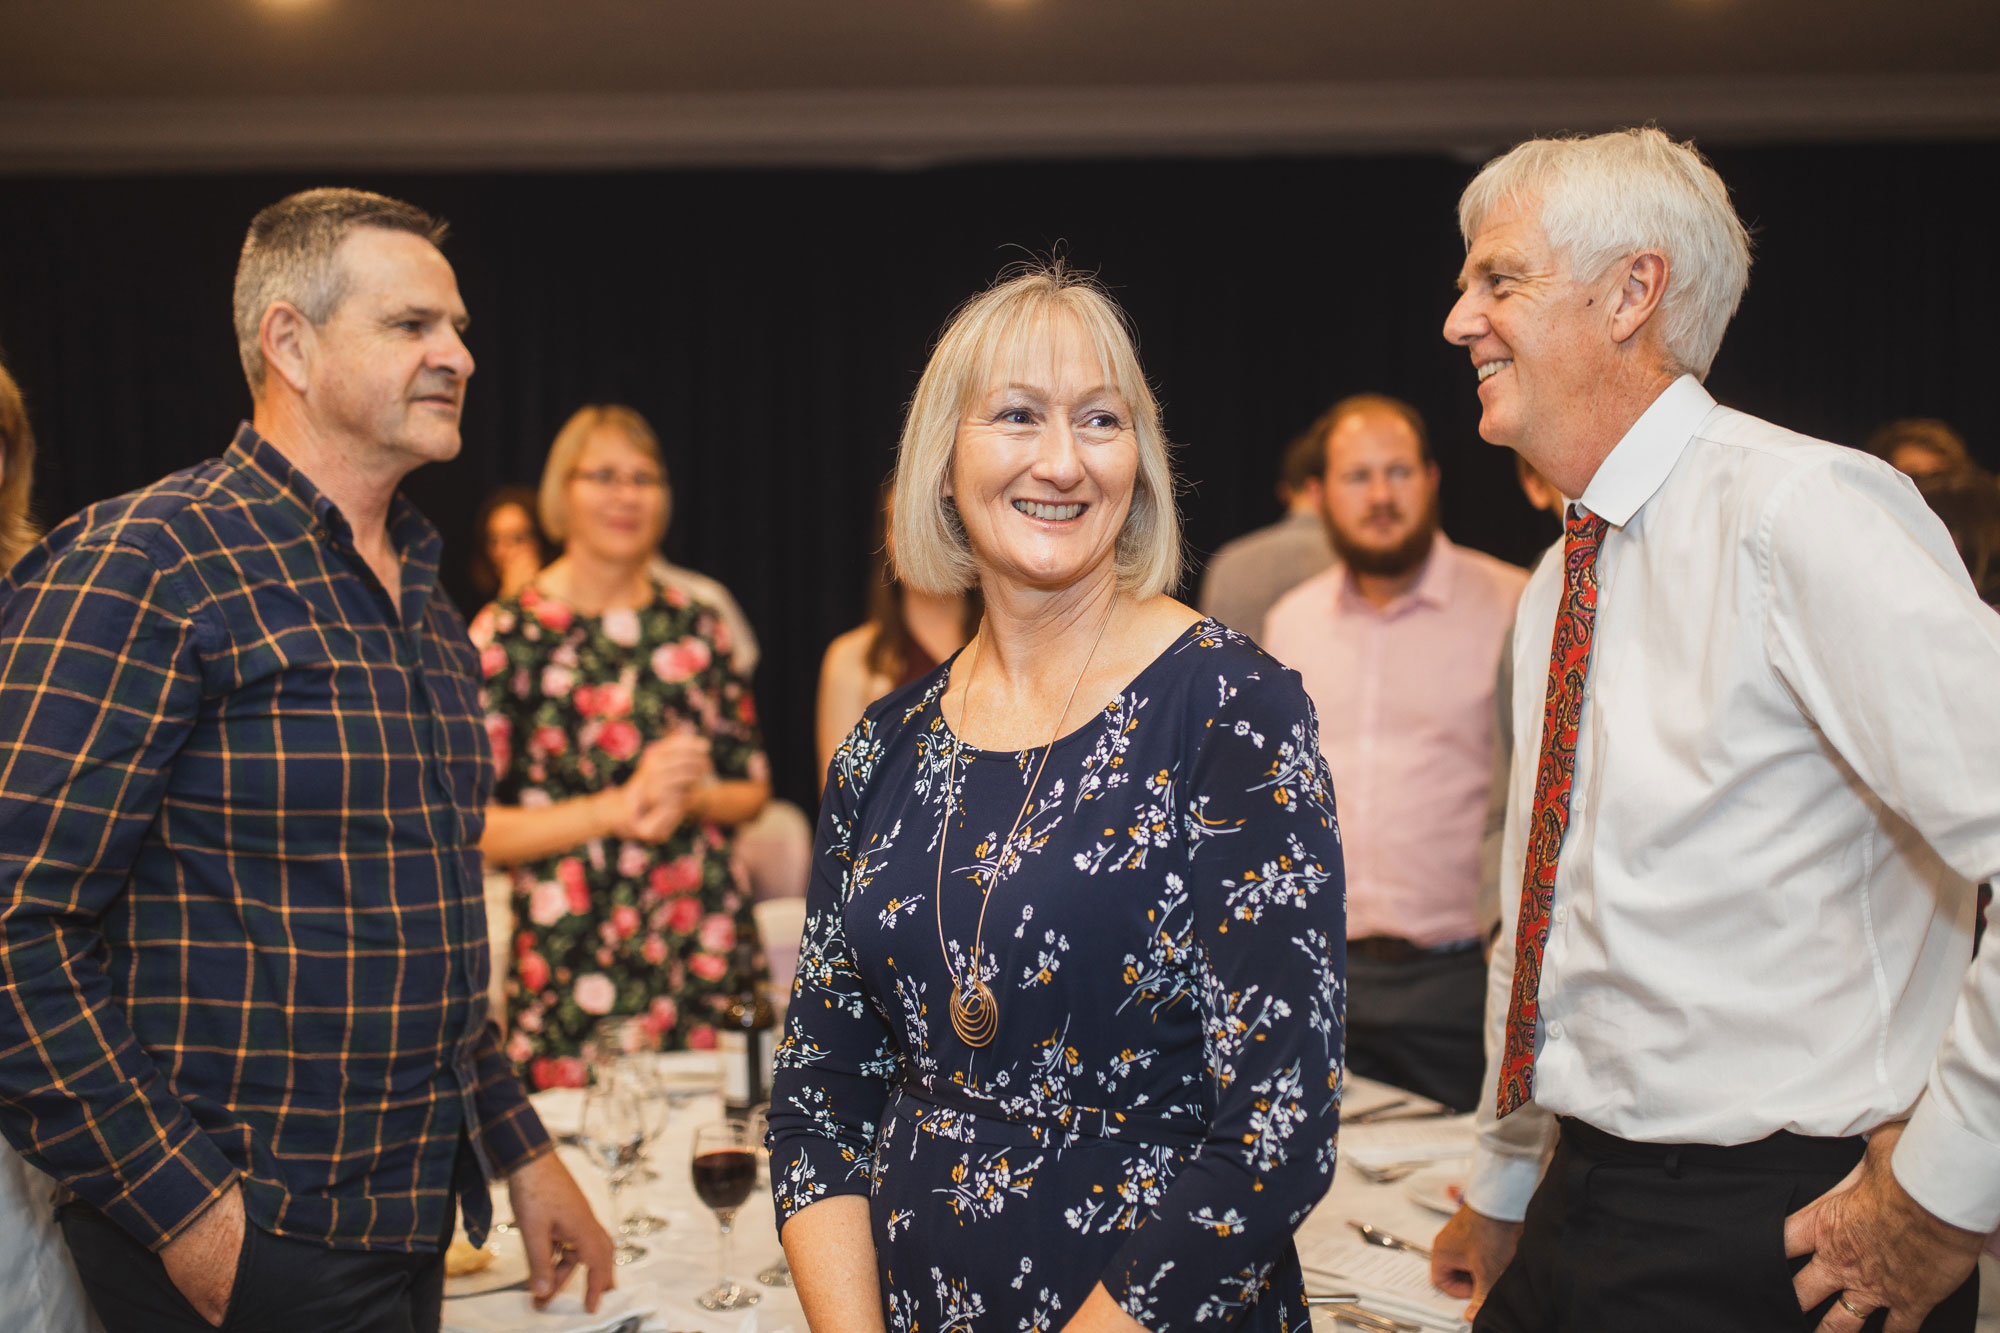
x=201, y=1261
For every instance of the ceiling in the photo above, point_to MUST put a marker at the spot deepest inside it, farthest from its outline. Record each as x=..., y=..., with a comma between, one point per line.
x=91, y=84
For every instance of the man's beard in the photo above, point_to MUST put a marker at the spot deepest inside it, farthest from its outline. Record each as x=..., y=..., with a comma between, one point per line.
x=1391, y=561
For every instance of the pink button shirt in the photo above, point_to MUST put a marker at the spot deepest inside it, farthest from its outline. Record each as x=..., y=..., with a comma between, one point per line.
x=1405, y=700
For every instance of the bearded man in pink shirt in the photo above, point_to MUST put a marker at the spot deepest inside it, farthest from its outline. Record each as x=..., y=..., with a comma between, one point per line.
x=1399, y=643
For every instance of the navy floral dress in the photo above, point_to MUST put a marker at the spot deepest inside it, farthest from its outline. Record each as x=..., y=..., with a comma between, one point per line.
x=1157, y=1109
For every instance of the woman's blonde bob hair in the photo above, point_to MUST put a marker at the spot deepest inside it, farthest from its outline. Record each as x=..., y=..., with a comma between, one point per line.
x=553, y=497
x=1002, y=326
x=17, y=455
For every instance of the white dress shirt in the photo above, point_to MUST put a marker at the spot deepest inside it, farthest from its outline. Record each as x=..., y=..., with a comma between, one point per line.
x=1787, y=784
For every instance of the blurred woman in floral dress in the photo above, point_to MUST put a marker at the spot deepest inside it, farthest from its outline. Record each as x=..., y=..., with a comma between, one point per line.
x=627, y=751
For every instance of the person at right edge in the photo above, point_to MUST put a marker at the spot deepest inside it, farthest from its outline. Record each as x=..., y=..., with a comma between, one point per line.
x=1758, y=777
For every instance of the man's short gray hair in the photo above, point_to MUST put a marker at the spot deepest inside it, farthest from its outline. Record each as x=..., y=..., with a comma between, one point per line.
x=288, y=256
x=1610, y=195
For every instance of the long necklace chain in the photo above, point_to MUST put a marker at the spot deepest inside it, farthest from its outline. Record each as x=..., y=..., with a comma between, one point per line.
x=975, y=1015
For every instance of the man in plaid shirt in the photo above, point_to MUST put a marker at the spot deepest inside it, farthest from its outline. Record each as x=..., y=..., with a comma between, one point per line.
x=243, y=776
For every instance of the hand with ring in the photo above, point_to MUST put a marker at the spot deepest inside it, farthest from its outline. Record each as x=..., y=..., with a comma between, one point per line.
x=1873, y=1246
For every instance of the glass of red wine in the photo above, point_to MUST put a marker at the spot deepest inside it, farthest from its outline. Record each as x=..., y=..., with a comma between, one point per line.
x=724, y=1164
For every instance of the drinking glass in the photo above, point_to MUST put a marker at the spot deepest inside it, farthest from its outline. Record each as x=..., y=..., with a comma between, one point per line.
x=639, y=1069
x=616, y=1051
x=611, y=1132
x=724, y=1165
x=778, y=1274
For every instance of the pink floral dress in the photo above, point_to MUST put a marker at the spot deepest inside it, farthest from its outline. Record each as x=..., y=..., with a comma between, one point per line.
x=615, y=927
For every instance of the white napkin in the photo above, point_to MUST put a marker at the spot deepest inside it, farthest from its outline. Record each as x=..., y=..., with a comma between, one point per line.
x=510, y=1312
x=1395, y=1283
x=750, y=1324
x=1359, y=1096
x=1389, y=1142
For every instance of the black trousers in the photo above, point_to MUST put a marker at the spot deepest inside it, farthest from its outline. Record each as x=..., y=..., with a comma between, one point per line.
x=1420, y=1024
x=282, y=1285
x=1648, y=1238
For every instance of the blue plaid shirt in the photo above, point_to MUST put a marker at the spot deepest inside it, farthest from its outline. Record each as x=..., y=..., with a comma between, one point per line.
x=242, y=935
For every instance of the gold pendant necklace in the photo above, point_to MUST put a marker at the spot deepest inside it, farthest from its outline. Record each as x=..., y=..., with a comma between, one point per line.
x=975, y=1014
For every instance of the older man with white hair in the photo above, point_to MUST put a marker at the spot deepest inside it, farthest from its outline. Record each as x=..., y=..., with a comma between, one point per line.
x=1759, y=775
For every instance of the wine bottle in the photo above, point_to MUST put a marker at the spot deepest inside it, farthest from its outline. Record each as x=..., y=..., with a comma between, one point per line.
x=747, y=1038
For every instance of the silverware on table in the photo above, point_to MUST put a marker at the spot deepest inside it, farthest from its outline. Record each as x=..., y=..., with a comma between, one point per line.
x=1356, y=1317
x=1332, y=1297
x=1377, y=1236
x=1383, y=1175
x=1376, y=1115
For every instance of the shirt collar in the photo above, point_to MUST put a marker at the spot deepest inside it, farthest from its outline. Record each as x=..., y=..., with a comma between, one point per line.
x=415, y=540
x=1636, y=466
x=1432, y=588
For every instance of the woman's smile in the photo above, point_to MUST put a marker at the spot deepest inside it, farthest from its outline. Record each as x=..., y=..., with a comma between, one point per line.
x=1050, y=511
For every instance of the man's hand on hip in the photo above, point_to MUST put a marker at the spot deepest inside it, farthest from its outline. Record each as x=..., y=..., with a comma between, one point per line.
x=559, y=1231
x=1470, y=1253
x=201, y=1261
x=1872, y=1245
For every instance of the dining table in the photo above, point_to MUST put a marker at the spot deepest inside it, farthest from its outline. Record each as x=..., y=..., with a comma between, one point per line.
x=1413, y=1147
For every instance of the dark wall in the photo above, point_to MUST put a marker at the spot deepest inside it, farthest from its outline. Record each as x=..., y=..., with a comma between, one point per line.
x=771, y=325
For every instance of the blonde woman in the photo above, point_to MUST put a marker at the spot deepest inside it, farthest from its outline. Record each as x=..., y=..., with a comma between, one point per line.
x=1067, y=1026
x=627, y=752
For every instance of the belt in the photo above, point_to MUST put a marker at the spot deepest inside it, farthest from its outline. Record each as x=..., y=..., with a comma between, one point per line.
x=1395, y=949
x=1064, y=1125
x=1782, y=1151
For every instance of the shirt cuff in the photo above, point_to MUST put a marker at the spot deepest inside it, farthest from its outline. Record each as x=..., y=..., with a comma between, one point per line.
x=510, y=1134
x=165, y=1196
x=1501, y=1184
x=1948, y=1169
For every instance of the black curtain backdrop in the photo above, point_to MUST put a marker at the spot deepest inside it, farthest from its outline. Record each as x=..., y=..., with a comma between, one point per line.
x=771, y=324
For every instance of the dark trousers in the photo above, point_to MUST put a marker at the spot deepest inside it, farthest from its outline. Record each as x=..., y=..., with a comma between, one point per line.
x=282, y=1285
x=1419, y=1023
x=1649, y=1238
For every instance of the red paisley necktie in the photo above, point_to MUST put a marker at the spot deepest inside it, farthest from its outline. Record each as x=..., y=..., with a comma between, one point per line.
x=1569, y=663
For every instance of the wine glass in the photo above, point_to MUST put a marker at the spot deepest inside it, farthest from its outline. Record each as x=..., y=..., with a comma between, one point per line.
x=725, y=1170
x=778, y=1274
x=616, y=1051
x=638, y=1069
x=611, y=1132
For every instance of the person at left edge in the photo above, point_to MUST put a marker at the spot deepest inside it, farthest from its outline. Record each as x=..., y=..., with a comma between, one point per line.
x=243, y=771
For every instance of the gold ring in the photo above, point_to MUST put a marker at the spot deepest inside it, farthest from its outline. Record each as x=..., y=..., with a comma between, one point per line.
x=1848, y=1306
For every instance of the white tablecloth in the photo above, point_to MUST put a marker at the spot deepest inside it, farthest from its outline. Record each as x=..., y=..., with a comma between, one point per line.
x=680, y=1261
